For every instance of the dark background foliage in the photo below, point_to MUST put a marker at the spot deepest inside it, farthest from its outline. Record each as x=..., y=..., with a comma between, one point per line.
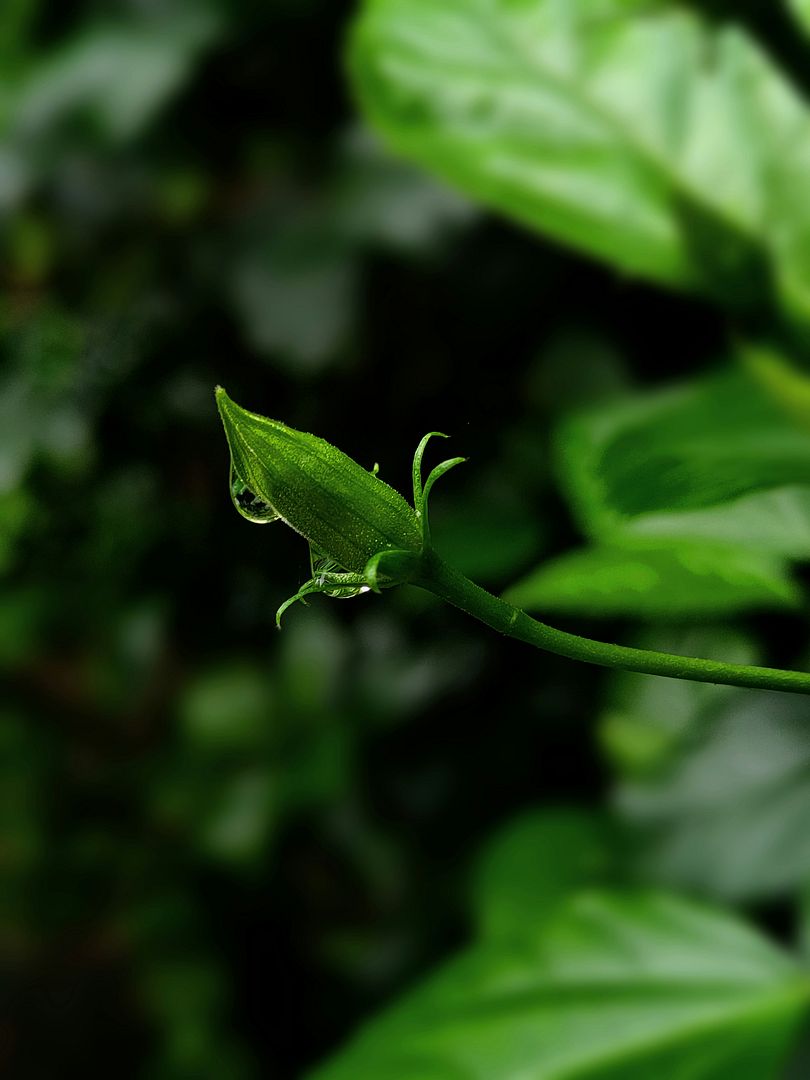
x=224, y=847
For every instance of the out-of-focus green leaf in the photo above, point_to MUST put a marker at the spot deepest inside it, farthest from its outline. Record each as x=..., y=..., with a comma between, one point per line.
x=297, y=256
x=104, y=84
x=667, y=581
x=726, y=809
x=789, y=387
x=228, y=709
x=185, y=995
x=181, y=986
x=227, y=814
x=29, y=249
x=384, y=202
x=313, y=665
x=238, y=819
x=295, y=295
x=647, y=720
x=625, y=128
x=533, y=864
x=715, y=459
x=120, y=74
x=39, y=413
x=800, y=10
x=614, y=986
x=394, y=678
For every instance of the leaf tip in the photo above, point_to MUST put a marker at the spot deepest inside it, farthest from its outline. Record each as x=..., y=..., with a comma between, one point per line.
x=221, y=398
x=229, y=411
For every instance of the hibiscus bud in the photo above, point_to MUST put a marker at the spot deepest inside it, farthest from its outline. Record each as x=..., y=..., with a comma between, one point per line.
x=346, y=513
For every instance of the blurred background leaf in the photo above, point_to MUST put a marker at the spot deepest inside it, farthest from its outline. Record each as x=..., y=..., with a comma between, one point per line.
x=710, y=460
x=614, y=985
x=630, y=131
x=800, y=9
x=743, y=770
x=533, y=864
x=678, y=580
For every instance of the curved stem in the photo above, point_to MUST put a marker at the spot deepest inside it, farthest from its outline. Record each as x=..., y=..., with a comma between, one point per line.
x=448, y=584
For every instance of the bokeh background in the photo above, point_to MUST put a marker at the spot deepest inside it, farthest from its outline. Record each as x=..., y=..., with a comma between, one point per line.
x=224, y=847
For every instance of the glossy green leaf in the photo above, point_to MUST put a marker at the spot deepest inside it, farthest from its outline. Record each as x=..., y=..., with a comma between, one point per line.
x=614, y=986
x=628, y=129
x=669, y=581
x=715, y=459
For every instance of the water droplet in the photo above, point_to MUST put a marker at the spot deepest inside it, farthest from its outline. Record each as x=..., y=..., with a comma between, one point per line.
x=250, y=505
x=345, y=592
x=322, y=564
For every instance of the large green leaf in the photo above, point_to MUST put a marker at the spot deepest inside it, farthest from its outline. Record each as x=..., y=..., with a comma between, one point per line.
x=715, y=460
x=614, y=987
x=627, y=129
x=668, y=581
x=725, y=809
x=533, y=864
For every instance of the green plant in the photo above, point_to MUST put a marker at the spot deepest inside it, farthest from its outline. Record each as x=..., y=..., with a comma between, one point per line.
x=364, y=536
x=658, y=140
x=574, y=233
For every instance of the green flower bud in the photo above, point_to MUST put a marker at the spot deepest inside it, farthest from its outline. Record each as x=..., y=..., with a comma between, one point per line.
x=346, y=513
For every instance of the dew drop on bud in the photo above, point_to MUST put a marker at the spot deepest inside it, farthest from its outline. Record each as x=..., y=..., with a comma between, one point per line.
x=250, y=505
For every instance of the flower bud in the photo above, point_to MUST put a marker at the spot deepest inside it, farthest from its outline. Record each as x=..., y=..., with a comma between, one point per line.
x=345, y=512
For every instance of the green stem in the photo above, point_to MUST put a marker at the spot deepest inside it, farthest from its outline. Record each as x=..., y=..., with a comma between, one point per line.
x=437, y=577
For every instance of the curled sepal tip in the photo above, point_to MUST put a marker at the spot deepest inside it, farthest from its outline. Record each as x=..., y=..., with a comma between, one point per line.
x=421, y=492
x=383, y=571
x=341, y=586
